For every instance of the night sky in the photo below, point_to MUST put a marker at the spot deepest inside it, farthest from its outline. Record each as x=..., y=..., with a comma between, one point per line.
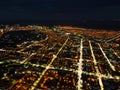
x=13, y=10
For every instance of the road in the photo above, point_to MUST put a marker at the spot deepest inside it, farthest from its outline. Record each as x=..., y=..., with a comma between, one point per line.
x=111, y=66
x=48, y=66
x=96, y=67
x=113, y=37
x=80, y=63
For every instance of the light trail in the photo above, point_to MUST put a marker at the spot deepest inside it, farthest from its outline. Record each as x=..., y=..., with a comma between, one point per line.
x=48, y=66
x=96, y=67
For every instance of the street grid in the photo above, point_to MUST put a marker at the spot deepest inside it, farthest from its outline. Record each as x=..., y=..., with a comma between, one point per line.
x=70, y=64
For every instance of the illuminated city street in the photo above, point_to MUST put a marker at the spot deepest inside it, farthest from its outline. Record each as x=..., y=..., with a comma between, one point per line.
x=43, y=58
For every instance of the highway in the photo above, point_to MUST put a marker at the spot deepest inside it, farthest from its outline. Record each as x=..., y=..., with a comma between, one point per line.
x=80, y=63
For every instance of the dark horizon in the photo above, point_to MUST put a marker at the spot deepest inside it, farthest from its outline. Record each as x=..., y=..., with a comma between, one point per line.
x=59, y=10
x=87, y=13
x=90, y=24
